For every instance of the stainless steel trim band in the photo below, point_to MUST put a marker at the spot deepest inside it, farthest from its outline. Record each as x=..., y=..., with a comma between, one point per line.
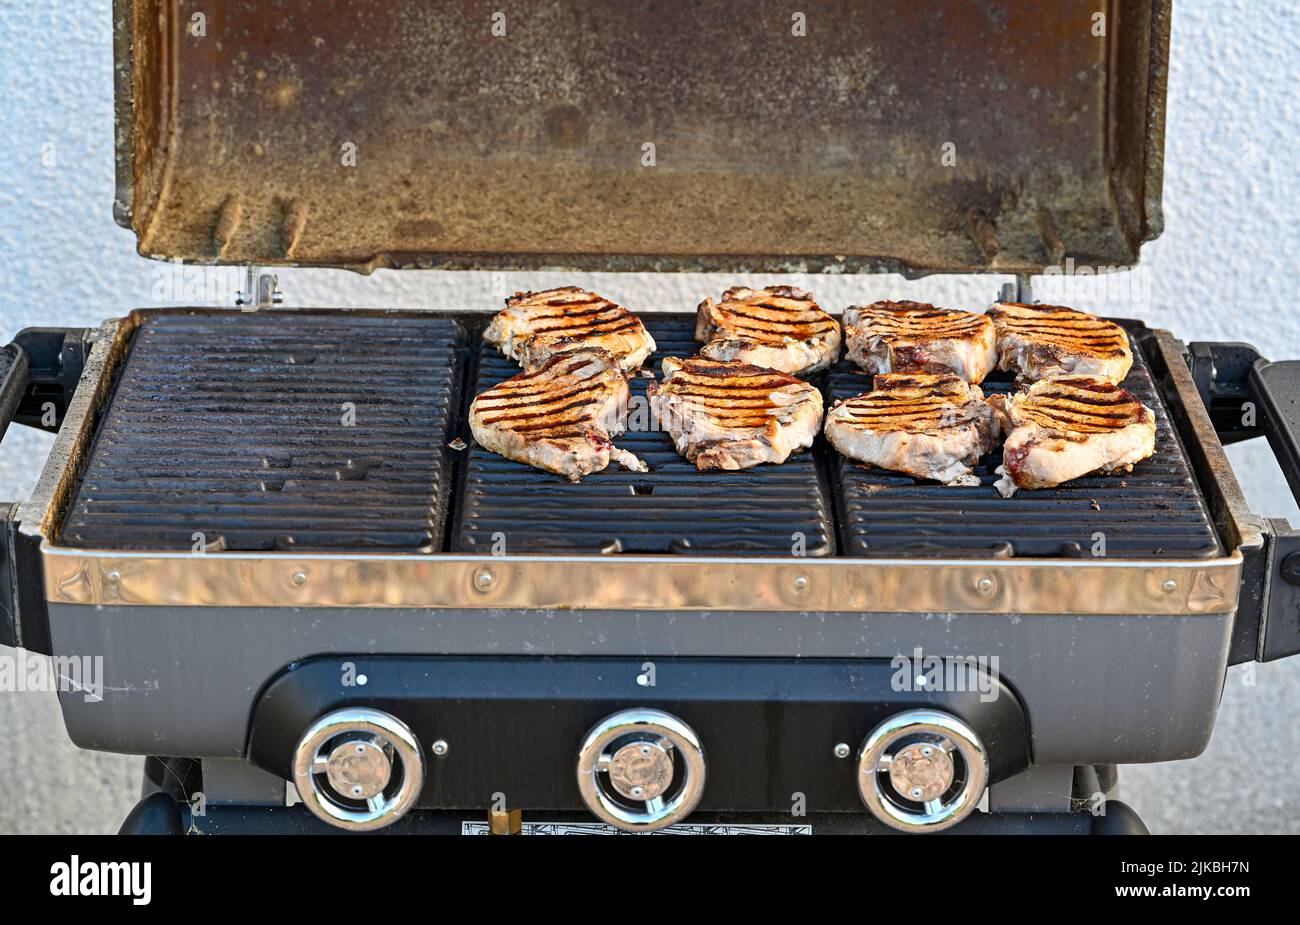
x=1084, y=586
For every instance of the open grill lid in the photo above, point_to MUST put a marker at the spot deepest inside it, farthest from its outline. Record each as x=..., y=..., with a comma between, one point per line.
x=893, y=135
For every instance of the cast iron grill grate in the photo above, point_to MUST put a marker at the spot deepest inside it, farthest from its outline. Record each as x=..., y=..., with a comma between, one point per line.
x=1156, y=511
x=672, y=508
x=230, y=425
x=275, y=431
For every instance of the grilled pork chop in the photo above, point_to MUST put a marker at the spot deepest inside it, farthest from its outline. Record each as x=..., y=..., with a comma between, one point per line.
x=927, y=425
x=734, y=415
x=1040, y=341
x=779, y=328
x=1064, y=428
x=536, y=325
x=560, y=416
x=888, y=337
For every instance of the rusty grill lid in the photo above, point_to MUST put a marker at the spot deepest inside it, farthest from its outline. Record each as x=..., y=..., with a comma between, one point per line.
x=928, y=137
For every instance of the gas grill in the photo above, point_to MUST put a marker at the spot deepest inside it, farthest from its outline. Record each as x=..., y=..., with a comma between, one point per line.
x=299, y=569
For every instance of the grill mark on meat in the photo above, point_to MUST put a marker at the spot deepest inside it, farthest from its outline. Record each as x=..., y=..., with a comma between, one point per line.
x=919, y=320
x=926, y=425
x=890, y=414
x=707, y=400
x=795, y=324
x=535, y=401
x=714, y=385
x=571, y=309
x=623, y=322
x=888, y=337
x=551, y=409
x=584, y=314
x=727, y=389
x=1086, y=404
x=734, y=415
x=574, y=362
x=777, y=334
x=920, y=411
x=1068, y=336
x=549, y=426
x=536, y=325
x=767, y=312
x=558, y=417
x=582, y=297
x=780, y=328
x=1057, y=325
x=729, y=371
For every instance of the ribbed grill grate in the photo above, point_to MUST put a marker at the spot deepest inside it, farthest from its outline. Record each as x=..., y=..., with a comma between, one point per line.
x=1156, y=511
x=672, y=508
x=232, y=425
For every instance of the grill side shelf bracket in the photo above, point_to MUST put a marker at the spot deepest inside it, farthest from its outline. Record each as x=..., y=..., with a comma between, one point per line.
x=13, y=384
x=39, y=372
x=1274, y=389
x=1248, y=396
x=55, y=359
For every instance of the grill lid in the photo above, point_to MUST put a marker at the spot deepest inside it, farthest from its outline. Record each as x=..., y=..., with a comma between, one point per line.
x=885, y=135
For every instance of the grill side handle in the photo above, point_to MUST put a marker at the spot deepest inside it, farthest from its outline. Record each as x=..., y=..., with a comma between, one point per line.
x=1274, y=389
x=1249, y=396
x=14, y=379
x=39, y=372
x=13, y=383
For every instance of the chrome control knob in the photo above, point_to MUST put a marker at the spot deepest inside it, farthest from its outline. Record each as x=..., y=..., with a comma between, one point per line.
x=358, y=768
x=641, y=770
x=922, y=771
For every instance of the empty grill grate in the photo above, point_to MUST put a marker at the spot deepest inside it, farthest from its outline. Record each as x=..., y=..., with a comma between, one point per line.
x=275, y=431
x=1157, y=510
x=672, y=508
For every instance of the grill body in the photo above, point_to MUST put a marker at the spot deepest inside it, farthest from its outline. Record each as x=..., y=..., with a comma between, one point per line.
x=1086, y=699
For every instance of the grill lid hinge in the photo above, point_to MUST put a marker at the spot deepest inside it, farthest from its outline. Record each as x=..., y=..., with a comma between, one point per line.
x=261, y=290
x=1022, y=290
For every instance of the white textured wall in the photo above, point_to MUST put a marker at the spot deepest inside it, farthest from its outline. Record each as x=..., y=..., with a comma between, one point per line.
x=1223, y=270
